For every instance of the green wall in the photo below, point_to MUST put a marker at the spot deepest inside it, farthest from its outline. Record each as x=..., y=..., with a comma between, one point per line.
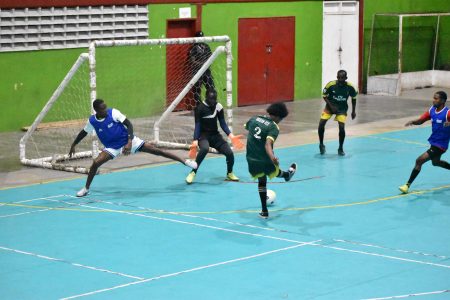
x=418, y=39
x=222, y=19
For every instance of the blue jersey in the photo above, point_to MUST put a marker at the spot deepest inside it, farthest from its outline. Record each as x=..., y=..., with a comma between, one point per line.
x=440, y=135
x=110, y=132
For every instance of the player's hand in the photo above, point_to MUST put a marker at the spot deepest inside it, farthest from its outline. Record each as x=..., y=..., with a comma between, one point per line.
x=446, y=124
x=72, y=150
x=127, y=148
x=236, y=141
x=353, y=115
x=193, y=149
x=410, y=123
x=275, y=160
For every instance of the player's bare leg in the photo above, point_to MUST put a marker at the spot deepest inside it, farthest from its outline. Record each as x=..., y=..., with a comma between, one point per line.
x=100, y=160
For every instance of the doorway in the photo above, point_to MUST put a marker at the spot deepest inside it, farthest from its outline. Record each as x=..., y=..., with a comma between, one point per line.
x=177, y=67
x=341, y=40
x=266, y=51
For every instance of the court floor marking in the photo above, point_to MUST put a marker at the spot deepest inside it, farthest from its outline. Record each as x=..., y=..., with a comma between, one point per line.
x=70, y=263
x=277, y=238
x=189, y=270
x=409, y=295
x=188, y=223
x=371, y=201
x=30, y=200
x=395, y=140
x=35, y=211
x=393, y=249
x=384, y=256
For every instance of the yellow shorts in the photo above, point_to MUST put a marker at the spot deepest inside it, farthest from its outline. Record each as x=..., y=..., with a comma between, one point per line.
x=339, y=118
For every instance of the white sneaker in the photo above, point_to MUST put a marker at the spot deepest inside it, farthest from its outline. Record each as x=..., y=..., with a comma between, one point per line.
x=83, y=192
x=191, y=164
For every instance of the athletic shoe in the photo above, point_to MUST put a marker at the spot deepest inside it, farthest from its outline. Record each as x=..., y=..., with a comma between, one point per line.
x=404, y=188
x=190, y=177
x=191, y=164
x=264, y=214
x=341, y=152
x=322, y=149
x=232, y=177
x=291, y=171
x=83, y=192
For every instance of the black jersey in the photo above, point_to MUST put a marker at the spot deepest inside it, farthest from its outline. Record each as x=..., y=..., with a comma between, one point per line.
x=206, y=118
x=199, y=53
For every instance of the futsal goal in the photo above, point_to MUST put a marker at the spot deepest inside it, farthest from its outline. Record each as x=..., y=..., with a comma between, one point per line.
x=151, y=81
x=408, y=51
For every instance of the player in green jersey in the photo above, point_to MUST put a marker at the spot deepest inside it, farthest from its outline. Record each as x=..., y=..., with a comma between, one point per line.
x=335, y=94
x=262, y=132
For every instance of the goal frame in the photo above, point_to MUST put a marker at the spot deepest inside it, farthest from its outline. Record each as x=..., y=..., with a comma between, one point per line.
x=54, y=162
x=393, y=84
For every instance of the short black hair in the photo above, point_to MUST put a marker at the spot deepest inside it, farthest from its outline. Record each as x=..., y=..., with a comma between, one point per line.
x=97, y=103
x=442, y=95
x=278, y=109
x=199, y=33
x=342, y=71
x=211, y=92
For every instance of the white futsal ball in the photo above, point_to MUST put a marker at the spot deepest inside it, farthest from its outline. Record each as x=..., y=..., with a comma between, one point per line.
x=271, y=196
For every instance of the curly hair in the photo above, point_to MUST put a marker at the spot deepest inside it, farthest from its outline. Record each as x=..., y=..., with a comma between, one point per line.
x=278, y=109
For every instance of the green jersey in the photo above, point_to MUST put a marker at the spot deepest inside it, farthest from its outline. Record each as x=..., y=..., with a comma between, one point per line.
x=338, y=95
x=260, y=128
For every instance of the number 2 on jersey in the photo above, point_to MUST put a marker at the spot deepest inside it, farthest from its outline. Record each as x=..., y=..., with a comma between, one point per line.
x=258, y=132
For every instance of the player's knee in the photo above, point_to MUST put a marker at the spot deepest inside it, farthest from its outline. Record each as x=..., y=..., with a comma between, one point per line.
x=436, y=162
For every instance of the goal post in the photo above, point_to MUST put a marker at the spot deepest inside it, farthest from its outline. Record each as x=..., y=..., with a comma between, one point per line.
x=151, y=81
x=408, y=51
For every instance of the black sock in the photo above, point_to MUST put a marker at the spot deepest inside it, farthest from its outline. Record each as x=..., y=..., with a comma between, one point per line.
x=262, y=190
x=413, y=176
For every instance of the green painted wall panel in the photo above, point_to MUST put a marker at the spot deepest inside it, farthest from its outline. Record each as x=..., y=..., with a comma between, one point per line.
x=28, y=79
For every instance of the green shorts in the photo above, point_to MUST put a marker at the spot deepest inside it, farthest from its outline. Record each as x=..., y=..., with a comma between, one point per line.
x=260, y=169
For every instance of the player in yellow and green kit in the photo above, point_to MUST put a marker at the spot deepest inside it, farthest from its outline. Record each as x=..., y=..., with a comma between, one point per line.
x=335, y=94
x=262, y=162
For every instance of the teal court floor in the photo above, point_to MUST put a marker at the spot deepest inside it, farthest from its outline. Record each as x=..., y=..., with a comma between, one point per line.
x=339, y=230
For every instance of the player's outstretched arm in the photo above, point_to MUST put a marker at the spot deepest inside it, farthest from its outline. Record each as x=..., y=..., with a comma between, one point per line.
x=81, y=135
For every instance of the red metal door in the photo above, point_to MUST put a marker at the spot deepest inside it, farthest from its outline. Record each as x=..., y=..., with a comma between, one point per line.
x=266, y=60
x=178, y=71
x=251, y=62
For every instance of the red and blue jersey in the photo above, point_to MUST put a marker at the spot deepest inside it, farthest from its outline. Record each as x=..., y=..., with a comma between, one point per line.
x=440, y=133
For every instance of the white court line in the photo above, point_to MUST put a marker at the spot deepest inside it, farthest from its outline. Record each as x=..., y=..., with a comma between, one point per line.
x=35, y=199
x=188, y=271
x=186, y=223
x=268, y=236
x=409, y=295
x=35, y=211
x=277, y=230
x=393, y=249
x=386, y=256
x=70, y=263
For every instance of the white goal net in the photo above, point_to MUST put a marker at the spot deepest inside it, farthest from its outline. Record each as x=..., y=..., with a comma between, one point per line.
x=156, y=83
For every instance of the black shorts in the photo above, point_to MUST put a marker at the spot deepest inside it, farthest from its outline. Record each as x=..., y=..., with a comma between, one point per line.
x=435, y=152
x=215, y=141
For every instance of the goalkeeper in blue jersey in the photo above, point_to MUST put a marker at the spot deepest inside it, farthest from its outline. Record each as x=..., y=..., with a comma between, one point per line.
x=115, y=132
x=263, y=130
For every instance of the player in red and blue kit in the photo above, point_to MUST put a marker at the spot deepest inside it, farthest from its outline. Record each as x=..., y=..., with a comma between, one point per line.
x=439, y=114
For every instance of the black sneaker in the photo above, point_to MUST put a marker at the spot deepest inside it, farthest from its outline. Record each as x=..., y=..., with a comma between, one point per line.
x=291, y=171
x=341, y=152
x=322, y=149
x=264, y=214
